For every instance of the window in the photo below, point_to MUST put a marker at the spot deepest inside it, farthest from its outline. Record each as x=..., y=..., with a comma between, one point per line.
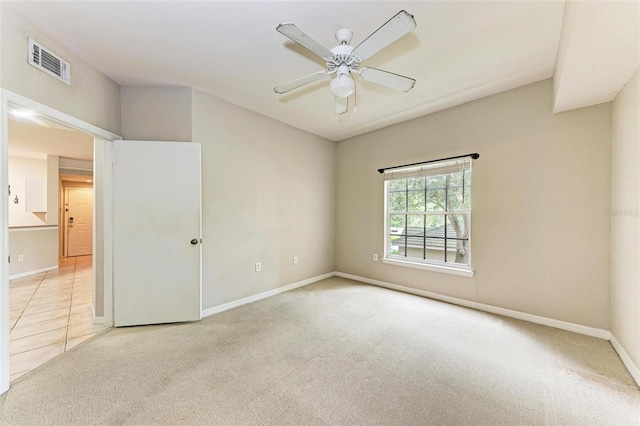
x=428, y=215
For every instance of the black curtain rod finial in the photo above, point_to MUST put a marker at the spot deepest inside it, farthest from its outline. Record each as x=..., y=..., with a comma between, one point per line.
x=474, y=156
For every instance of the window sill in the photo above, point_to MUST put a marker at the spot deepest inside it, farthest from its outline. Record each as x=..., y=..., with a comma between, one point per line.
x=433, y=268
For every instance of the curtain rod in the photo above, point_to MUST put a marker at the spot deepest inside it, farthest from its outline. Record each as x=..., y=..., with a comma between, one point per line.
x=474, y=156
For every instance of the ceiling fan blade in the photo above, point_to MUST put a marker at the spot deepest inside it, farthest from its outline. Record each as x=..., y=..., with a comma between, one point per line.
x=342, y=105
x=396, y=27
x=386, y=78
x=296, y=34
x=300, y=82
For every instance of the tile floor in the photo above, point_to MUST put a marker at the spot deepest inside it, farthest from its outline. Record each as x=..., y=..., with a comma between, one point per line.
x=49, y=314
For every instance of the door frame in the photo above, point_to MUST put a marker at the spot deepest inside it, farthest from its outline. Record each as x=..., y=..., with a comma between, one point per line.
x=102, y=147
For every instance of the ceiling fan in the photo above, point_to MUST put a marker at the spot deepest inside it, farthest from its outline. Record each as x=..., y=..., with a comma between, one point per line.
x=344, y=60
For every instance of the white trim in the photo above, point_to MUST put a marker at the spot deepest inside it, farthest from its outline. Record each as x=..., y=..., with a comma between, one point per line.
x=36, y=271
x=54, y=114
x=96, y=320
x=563, y=325
x=230, y=305
x=423, y=293
x=429, y=267
x=4, y=247
x=105, y=147
x=626, y=359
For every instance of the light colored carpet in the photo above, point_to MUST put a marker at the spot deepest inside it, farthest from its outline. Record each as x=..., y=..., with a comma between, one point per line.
x=335, y=352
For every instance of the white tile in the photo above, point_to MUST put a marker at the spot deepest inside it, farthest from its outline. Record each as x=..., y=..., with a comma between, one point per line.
x=80, y=308
x=36, y=341
x=26, y=361
x=81, y=318
x=48, y=309
x=39, y=327
x=44, y=316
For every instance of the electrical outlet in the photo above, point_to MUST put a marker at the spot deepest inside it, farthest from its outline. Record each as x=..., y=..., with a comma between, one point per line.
x=258, y=266
x=375, y=257
x=295, y=260
x=20, y=258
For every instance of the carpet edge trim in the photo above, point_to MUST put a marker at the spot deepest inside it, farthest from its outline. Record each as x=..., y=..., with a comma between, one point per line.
x=234, y=304
x=626, y=359
x=563, y=325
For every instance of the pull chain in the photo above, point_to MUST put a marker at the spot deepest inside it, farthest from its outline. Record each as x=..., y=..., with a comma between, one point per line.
x=355, y=98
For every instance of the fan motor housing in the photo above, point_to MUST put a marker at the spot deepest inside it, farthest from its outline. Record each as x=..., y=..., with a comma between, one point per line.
x=342, y=55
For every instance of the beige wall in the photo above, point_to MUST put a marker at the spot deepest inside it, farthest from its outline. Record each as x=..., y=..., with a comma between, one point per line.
x=156, y=114
x=39, y=248
x=268, y=190
x=625, y=215
x=91, y=97
x=541, y=190
x=268, y=195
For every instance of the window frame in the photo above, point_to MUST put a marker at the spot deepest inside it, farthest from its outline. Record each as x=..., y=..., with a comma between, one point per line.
x=421, y=263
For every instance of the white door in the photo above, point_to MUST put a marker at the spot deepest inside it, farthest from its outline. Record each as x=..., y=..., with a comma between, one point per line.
x=157, y=231
x=79, y=221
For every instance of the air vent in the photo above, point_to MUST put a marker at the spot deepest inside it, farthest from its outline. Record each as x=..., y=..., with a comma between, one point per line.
x=47, y=61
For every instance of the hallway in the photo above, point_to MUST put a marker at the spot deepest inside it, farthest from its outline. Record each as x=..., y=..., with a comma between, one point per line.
x=50, y=313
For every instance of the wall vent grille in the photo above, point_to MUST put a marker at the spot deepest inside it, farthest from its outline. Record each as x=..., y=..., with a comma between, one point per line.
x=47, y=61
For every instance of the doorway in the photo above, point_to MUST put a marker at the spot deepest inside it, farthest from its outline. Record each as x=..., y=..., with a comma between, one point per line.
x=50, y=291
x=110, y=192
x=101, y=258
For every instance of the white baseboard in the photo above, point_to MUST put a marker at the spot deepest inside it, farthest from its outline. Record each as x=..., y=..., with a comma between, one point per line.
x=226, y=306
x=563, y=325
x=37, y=271
x=626, y=359
x=96, y=320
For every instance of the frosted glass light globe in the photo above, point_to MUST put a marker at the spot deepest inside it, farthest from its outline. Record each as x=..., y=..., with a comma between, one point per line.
x=342, y=86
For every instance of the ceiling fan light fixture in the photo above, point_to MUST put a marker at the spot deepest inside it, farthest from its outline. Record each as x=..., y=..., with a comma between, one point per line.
x=342, y=86
x=344, y=60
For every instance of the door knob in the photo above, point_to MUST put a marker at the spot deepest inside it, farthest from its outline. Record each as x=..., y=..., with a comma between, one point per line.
x=194, y=241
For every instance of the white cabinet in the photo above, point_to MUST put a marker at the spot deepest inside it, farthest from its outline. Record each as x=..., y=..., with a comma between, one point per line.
x=35, y=193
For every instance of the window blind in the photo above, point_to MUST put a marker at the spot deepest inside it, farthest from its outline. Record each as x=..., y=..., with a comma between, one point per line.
x=429, y=169
x=426, y=168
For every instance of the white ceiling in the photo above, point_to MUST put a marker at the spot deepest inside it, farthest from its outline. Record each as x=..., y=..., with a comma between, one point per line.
x=35, y=137
x=459, y=52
